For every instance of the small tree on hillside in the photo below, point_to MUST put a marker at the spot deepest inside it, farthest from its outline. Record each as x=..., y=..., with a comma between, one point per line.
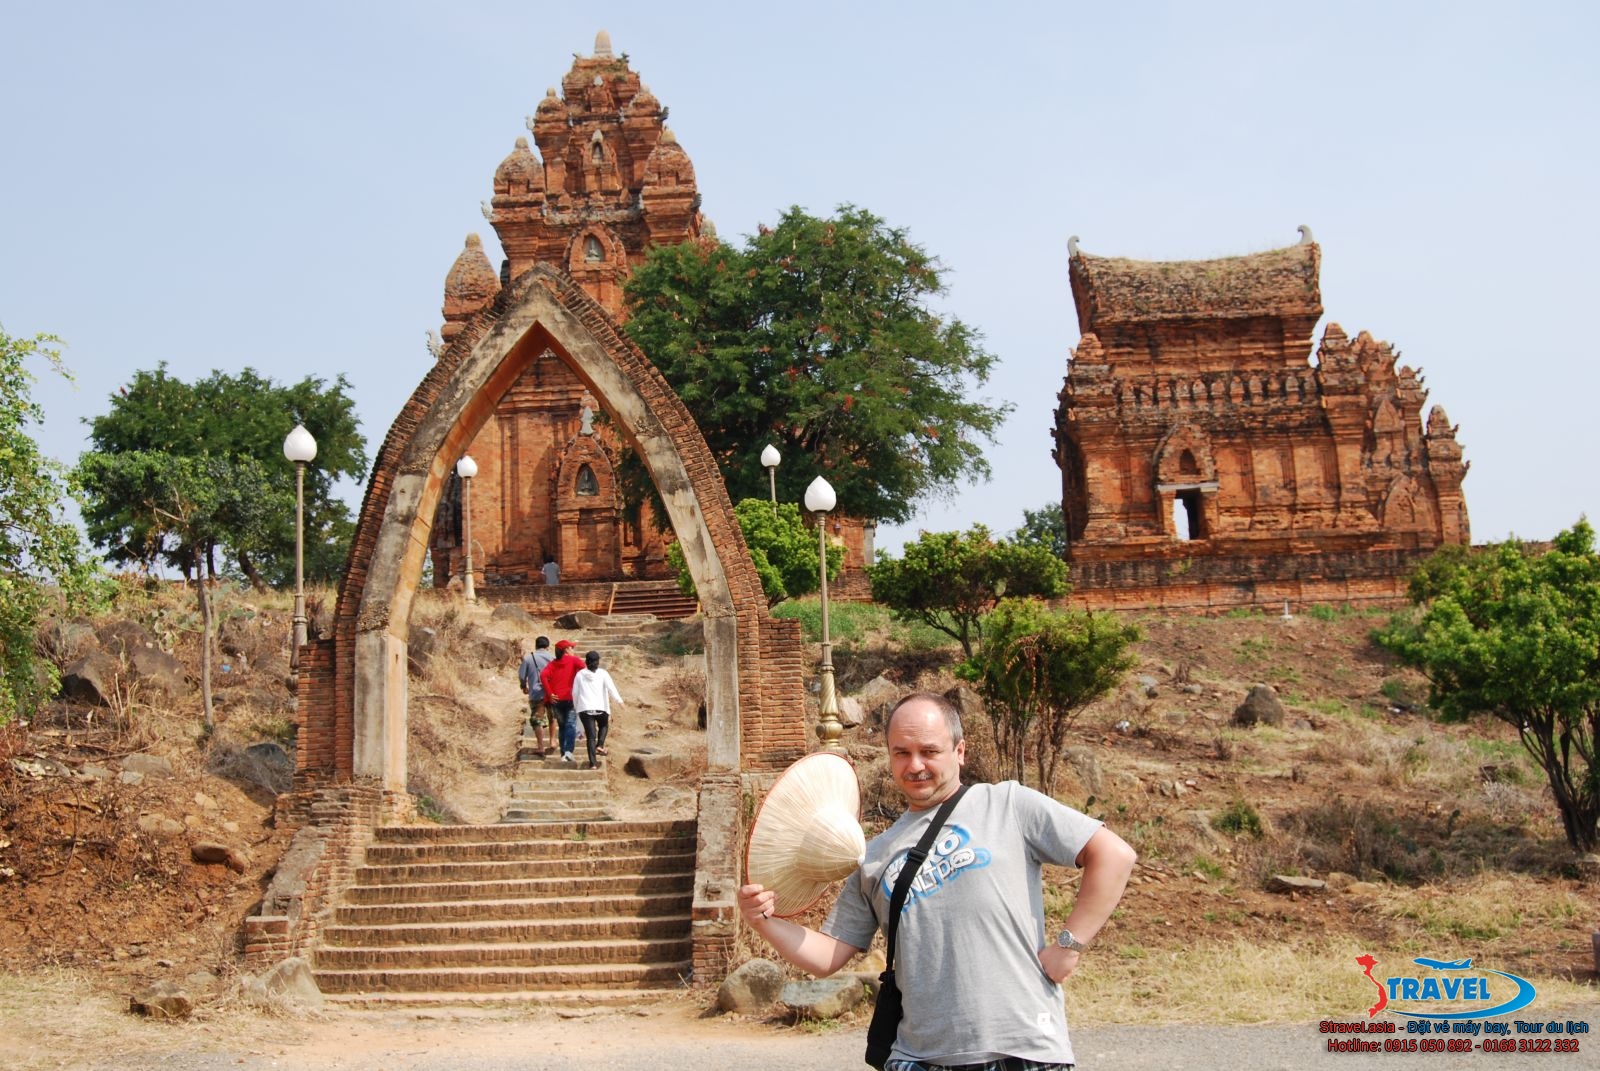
x=41, y=555
x=1038, y=669
x=179, y=509
x=949, y=580
x=783, y=548
x=1515, y=634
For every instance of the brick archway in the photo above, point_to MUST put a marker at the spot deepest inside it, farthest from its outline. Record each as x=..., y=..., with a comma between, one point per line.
x=353, y=683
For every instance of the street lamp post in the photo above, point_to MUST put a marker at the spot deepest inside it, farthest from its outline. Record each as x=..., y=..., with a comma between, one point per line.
x=300, y=448
x=770, y=458
x=819, y=500
x=467, y=468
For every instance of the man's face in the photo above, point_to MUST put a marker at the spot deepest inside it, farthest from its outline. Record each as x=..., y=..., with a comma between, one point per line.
x=926, y=766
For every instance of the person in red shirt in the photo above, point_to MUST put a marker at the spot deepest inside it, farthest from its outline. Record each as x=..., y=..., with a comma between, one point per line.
x=557, y=680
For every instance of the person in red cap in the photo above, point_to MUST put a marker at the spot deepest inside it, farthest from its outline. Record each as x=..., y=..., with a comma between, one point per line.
x=557, y=680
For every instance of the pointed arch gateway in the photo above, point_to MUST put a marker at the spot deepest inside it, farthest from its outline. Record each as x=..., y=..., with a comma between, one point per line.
x=353, y=684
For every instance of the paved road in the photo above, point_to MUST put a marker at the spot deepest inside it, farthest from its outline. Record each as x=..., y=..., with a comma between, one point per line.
x=639, y=1044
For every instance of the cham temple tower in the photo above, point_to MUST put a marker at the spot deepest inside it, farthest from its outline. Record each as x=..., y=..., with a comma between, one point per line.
x=608, y=181
x=1208, y=463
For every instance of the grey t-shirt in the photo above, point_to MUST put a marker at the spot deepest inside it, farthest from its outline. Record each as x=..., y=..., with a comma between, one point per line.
x=967, y=950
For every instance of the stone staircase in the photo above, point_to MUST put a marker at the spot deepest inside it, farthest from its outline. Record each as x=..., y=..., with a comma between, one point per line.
x=659, y=598
x=556, y=904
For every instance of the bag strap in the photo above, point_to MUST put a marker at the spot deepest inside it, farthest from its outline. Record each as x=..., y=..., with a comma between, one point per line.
x=914, y=860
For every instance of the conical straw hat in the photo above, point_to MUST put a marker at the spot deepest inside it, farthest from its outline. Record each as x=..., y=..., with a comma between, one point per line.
x=807, y=834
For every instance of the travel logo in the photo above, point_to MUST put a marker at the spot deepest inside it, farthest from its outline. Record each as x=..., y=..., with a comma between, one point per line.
x=1448, y=983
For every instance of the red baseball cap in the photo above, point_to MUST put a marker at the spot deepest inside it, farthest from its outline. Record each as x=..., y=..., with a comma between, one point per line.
x=562, y=645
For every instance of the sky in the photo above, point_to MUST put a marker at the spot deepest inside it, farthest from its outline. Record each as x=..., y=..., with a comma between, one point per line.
x=284, y=186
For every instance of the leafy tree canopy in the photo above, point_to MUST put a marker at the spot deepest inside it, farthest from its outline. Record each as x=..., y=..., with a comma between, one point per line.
x=1046, y=527
x=229, y=418
x=783, y=549
x=949, y=580
x=818, y=337
x=1515, y=634
x=1038, y=669
x=41, y=555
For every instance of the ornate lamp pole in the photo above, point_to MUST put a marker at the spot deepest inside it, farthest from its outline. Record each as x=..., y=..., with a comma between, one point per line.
x=819, y=500
x=467, y=468
x=300, y=448
x=770, y=458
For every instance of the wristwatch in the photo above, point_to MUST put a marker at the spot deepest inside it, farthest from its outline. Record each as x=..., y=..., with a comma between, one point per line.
x=1065, y=940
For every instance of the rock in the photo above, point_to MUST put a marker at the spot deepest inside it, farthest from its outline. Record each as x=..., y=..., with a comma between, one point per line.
x=289, y=984
x=157, y=669
x=1339, y=881
x=244, y=640
x=1199, y=823
x=653, y=764
x=121, y=638
x=1087, y=767
x=750, y=987
x=1363, y=888
x=65, y=641
x=421, y=642
x=149, y=765
x=271, y=755
x=91, y=679
x=850, y=712
x=578, y=619
x=1261, y=706
x=1288, y=883
x=163, y=1000
x=510, y=613
x=1192, y=689
x=92, y=772
x=1148, y=685
x=210, y=853
x=822, y=998
x=492, y=652
x=666, y=795
x=159, y=825
x=877, y=697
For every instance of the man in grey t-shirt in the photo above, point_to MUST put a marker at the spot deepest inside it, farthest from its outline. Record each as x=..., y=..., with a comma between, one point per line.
x=979, y=978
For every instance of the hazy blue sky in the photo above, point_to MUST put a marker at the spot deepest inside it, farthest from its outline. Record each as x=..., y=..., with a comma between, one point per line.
x=284, y=185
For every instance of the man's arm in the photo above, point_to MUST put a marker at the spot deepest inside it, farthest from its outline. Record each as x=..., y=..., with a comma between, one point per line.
x=1107, y=861
x=815, y=953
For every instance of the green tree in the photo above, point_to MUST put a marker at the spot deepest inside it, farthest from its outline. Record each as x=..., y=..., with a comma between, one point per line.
x=1515, y=634
x=818, y=337
x=229, y=417
x=1046, y=527
x=949, y=580
x=1038, y=669
x=181, y=509
x=41, y=555
x=783, y=548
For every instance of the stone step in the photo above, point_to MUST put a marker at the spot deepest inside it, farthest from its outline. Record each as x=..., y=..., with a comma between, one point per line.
x=534, y=814
x=634, y=996
x=423, y=873
x=478, y=909
x=534, y=848
x=679, y=829
x=528, y=888
x=609, y=952
x=505, y=980
x=543, y=933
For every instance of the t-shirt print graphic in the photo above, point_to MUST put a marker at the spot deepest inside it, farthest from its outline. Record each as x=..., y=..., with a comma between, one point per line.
x=951, y=856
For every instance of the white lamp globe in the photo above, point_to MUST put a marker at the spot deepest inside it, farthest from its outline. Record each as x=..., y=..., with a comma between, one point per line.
x=770, y=456
x=820, y=497
x=466, y=468
x=299, y=446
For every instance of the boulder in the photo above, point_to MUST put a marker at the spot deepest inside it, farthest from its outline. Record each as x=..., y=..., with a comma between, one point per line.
x=155, y=668
x=653, y=764
x=65, y=641
x=877, y=697
x=1289, y=883
x=510, y=613
x=421, y=642
x=210, y=853
x=1087, y=767
x=149, y=765
x=1261, y=706
x=491, y=652
x=750, y=987
x=121, y=637
x=850, y=713
x=578, y=619
x=91, y=679
x=289, y=983
x=822, y=998
x=163, y=1000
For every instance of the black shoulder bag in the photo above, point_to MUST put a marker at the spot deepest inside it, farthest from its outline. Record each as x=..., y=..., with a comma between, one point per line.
x=886, y=1011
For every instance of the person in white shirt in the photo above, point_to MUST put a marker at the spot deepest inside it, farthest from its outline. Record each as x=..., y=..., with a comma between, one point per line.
x=593, y=692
